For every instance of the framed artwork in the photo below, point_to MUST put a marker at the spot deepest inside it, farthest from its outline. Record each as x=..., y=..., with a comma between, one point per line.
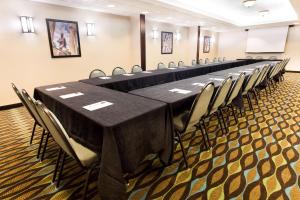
x=206, y=45
x=63, y=38
x=166, y=42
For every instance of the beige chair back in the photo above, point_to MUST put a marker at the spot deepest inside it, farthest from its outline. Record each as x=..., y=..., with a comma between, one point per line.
x=220, y=95
x=97, y=73
x=235, y=89
x=251, y=80
x=200, y=61
x=161, y=66
x=194, y=62
x=20, y=96
x=31, y=104
x=56, y=129
x=206, y=60
x=180, y=64
x=136, y=68
x=200, y=105
x=118, y=71
x=261, y=75
x=172, y=65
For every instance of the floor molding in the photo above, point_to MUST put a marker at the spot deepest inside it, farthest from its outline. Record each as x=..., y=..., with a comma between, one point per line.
x=11, y=106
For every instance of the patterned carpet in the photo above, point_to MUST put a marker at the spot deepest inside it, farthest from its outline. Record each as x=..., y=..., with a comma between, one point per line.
x=257, y=159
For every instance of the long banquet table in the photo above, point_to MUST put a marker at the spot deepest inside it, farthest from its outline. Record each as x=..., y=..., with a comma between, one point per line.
x=128, y=82
x=123, y=133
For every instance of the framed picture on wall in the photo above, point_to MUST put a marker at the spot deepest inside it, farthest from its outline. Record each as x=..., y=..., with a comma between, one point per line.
x=166, y=42
x=63, y=38
x=206, y=45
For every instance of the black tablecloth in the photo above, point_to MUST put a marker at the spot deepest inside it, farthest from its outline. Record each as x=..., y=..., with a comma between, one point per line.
x=123, y=133
x=139, y=80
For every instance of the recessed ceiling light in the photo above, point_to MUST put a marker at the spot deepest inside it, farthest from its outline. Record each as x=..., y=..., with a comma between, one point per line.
x=145, y=12
x=111, y=6
x=249, y=3
x=264, y=12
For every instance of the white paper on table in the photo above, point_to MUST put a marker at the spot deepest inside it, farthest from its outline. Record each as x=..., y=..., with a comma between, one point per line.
x=146, y=72
x=236, y=74
x=180, y=91
x=105, y=77
x=56, y=88
x=128, y=74
x=98, y=105
x=171, y=68
x=199, y=84
x=67, y=96
x=217, y=79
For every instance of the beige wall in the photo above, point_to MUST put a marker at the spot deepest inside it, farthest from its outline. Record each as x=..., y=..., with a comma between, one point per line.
x=233, y=45
x=26, y=60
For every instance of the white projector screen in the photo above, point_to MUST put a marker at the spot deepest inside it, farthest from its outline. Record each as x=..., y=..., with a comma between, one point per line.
x=270, y=40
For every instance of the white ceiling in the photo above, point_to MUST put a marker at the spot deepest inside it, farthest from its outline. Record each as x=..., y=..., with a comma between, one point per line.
x=217, y=15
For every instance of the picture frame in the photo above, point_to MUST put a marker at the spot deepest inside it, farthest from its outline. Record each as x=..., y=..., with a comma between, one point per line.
x=206, y=44
x=166, y=42
x=64, y=38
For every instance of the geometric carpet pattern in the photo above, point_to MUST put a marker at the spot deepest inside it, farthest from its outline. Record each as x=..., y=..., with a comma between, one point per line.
x=259, y=158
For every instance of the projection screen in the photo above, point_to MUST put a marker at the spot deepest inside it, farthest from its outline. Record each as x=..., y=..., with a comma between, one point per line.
x=268, y=40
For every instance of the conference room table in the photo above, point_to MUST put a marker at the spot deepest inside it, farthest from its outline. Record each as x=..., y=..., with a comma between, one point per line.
x=122, y=128
x=133, y=81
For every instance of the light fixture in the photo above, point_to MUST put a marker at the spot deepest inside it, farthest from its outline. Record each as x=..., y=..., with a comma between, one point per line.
x=264, y=12
x=155, y=33
x=249, y=3
x=27, y=24
x=111, y=6
x=90, y=29
x=178, y=36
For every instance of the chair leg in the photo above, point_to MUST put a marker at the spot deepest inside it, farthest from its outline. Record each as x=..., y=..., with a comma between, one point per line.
x=233, y=113
x=225, y=126
x=56, y=165
x=206, y=133
x=203, y=135
x=182, y=149
x=33, y=131
x=61, y=169
x=220, y=122
x=255, y=96
x=86, y=184
x=45, y=146
x=41, y=144
x=249, y=101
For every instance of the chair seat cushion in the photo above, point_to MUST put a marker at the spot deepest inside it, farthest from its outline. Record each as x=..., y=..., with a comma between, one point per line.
x=85, y=155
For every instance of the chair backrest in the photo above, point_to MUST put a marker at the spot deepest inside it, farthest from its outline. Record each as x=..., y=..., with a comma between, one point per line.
x=200, y=105
x=161, y=66
x=136, y=68
x=19, y=94
x=172, y=65
x=274, y=70
x=200, y=61
x=251, y=80
x=259, y=57
x=194, y=62
x=97, y=73
x=180, y=64
x=31, y=104
x=206, y=60
x=235, y=88
x=118, y=71
x=261, y=75
x=56, y=129
x=249, y=57
x=215, y=60
x=219, y=59
x=221, y=94
x=224, y=59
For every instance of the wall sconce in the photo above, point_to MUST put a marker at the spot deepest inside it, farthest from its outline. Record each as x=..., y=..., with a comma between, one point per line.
x=155, y=33
x=178, y=36
x=27, y=24
x=90, y=29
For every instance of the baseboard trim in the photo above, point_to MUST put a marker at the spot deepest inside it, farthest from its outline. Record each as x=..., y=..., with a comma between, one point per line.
x=11, y=106
x=290, y=71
